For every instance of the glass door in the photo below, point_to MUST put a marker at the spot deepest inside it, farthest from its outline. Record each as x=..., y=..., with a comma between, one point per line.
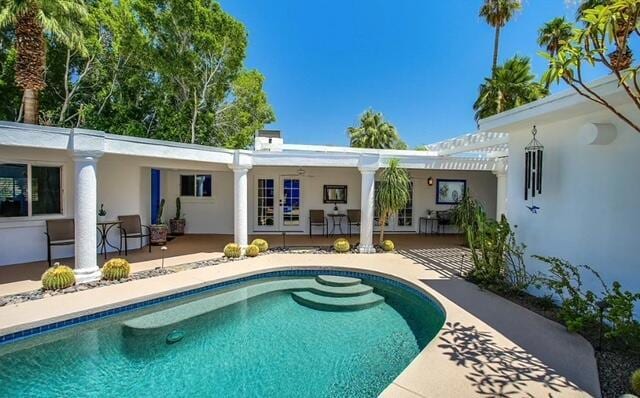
x=290, y=198
x=402, y=221
x=265, y=204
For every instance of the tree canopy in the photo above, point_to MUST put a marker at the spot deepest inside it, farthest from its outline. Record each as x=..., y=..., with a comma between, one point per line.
x=375, y=132
x=166, y=69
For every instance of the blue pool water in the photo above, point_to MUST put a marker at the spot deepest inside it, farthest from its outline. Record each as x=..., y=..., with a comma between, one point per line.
x=268, y=346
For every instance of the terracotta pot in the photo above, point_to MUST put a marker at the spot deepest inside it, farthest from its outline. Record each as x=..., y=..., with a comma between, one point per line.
x=158, y=234
x=177, y=226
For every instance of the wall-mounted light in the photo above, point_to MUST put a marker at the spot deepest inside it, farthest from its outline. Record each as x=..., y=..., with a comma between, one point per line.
x=430, y=181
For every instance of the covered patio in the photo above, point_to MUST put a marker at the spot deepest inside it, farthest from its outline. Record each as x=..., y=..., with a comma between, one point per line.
x=19, y=278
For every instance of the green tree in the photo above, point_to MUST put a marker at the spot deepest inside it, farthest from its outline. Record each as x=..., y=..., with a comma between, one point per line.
x=374, y=132
x=497, y=13
x=555, y=34
x=512, y=85
x=393, y=193
x=32, y=19
x=609, y=25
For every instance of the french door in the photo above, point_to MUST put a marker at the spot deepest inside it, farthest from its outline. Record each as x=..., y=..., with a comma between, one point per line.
x=278, y=204
x=402, y=221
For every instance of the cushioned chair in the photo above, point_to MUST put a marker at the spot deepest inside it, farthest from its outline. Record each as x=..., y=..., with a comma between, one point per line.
x=59, y=233
x=444, y=219
x=317, y=219
x=132, y=227
x=353, y=218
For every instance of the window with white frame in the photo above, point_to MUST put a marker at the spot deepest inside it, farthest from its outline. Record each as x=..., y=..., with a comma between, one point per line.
x=30, y=190
x=405, y=216
x=196, y=185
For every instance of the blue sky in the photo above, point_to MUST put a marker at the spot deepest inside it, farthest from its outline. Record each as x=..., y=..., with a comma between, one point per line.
x=418, y=62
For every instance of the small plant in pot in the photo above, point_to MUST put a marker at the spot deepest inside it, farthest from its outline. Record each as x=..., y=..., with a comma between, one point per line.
x=159, y=230
x=178, y=223
x=102, y=213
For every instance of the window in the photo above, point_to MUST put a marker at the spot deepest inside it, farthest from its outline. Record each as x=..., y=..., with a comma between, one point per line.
x=266, y=198
x=45, y=187
x=405, y=216
x=197, y=185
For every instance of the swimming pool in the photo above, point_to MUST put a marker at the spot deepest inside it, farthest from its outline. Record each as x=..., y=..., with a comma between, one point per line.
x=257, y=341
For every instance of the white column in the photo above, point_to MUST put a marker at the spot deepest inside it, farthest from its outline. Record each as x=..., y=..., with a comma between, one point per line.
x=86, y=267
x=501, y=195
x=240, y=205
x=366, y=210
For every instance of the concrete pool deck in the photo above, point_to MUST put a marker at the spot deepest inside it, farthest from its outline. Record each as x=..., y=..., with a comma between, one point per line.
x=488, y=346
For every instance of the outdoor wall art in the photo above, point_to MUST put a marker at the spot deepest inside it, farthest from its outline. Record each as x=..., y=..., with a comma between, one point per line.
x=450, y=192
x=335, y=194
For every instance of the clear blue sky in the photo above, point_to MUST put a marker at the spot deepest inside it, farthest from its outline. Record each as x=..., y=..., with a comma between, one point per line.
x=418, y=62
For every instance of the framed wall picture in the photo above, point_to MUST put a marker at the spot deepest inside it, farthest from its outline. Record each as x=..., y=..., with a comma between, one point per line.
x=335, y=194
x=450, y=192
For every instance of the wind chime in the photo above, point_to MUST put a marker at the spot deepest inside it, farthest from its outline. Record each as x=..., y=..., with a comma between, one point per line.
x=533, y=171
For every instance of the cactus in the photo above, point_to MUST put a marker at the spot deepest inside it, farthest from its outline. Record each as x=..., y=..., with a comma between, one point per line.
x=262, y=244
x=387, y=245
x=58, y=277
x=115, y=269
x=178, y=208
x=232, y=250
x=635, y=382
x=159, y=220
x=252, y=251
x=341, y=245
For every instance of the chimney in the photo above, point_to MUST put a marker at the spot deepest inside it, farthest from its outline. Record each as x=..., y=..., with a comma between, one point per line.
x=268, y=140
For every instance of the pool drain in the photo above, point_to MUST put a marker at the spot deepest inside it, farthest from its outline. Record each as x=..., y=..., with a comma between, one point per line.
x=174, y=336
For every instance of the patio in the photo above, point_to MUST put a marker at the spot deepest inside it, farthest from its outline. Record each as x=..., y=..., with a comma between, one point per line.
x=185, y=249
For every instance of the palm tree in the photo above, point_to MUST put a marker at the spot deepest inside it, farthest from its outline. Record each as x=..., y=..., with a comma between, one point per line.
x=374, y=132
x=554, y=34
x=497, y=13
x=511, y=85
x=32, y=19
x=392, y=194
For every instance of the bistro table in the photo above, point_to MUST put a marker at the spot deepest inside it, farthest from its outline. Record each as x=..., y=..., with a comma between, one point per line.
x=428, y=220
x=103, y=241
x=336, y=221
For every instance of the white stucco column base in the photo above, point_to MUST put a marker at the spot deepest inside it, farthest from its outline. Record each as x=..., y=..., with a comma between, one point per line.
x=86, y=267
x=367, y=207
x=241, y=165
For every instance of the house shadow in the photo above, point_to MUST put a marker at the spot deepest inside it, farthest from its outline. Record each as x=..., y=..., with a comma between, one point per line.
x=498, y=371
x=447, y=262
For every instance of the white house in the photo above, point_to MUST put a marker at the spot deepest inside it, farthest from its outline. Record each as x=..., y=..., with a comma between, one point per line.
x=588, y=212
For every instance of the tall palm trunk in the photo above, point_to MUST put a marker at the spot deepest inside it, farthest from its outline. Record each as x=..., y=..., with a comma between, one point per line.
x=496, y=45
x=30, y=63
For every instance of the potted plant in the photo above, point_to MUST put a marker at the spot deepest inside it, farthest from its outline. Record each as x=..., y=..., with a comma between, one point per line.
x=102, y=213
x=159, y=230
x=177, y=224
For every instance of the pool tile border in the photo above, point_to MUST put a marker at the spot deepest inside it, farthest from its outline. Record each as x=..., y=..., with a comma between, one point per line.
x=55, y=326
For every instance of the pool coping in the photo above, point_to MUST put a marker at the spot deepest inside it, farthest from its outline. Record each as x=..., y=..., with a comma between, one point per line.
x=80, y=318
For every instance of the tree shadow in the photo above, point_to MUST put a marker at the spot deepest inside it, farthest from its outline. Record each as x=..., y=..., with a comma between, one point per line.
x=447, y=262
x=498, y=371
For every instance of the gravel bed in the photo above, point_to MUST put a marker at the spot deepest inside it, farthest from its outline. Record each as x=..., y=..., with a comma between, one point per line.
x=615, y=369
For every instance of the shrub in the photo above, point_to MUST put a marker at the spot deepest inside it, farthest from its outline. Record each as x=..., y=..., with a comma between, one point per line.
x=387, y=245
x=58, y=277
x=115, y=269
x=635, y=382
x=252, y=250
x=262, y=244
x=341, y=245
x=232, y=250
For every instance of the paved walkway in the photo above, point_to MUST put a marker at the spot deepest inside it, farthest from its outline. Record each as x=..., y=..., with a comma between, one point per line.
x=488, y=346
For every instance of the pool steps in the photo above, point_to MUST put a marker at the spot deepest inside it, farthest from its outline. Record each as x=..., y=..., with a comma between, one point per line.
x=330, y=287
x=338, y=293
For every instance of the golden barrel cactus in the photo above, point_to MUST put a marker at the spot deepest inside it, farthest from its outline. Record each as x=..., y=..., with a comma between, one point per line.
x=232, y=250
x=115, y=269
x=262, y=244
x=58, y=277
x=387, y=245
x=252, y=250
x=635, y=382
x=341, y=245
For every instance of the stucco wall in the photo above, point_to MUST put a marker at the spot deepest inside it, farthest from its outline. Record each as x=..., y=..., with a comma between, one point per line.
x=589, y=206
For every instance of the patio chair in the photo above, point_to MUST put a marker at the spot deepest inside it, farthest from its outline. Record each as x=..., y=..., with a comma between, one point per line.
x=59, y=233
x=131, y=227
x=444, y=219
x=353, y=218
x=317, y=219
